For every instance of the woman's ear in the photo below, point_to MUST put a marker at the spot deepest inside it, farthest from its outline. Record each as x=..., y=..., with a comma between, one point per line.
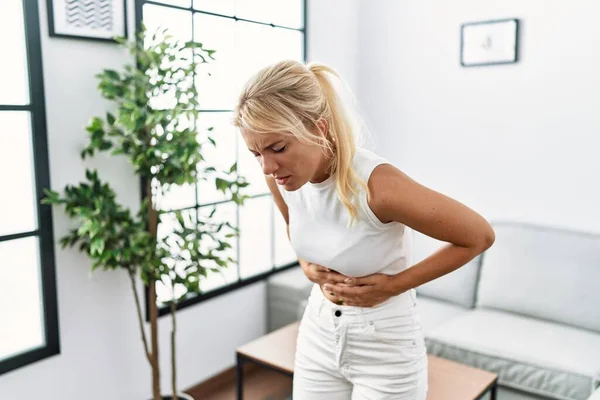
x=322, y=127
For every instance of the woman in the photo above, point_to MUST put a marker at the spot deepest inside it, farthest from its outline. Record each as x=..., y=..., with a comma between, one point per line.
x=349, y=215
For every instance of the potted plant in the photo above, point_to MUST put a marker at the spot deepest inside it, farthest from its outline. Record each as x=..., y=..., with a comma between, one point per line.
x=153, y=125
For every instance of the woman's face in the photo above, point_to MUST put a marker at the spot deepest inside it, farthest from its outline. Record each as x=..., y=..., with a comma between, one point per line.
x=292, y=163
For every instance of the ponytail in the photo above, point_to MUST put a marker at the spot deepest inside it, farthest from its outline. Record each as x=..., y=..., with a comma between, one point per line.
x=341, y=133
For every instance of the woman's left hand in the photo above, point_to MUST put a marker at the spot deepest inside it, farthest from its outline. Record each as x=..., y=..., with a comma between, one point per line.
x=367, y=291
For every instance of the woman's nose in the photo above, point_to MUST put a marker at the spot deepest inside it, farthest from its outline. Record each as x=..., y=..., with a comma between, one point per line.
x=269, y=165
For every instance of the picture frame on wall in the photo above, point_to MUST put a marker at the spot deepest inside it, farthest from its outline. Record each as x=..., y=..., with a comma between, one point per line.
x=87, y=19
x=489, y=42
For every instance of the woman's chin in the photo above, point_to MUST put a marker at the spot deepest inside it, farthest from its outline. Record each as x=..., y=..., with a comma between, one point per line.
x=290, y=185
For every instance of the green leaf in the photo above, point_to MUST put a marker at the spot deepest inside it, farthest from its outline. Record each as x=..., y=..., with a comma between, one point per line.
x=97, y=247
x=95, y=125
x=86, y=152
x=51, y=197
x=179, y=216
x=112, y=74
x=105, y=145
x=222, y=246
x=91, y=175
x=221, y=184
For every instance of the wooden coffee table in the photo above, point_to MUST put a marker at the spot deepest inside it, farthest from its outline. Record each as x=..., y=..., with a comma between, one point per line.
x=276, y=351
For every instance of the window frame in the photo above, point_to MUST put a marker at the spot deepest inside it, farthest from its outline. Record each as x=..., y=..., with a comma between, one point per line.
x=37, y=110
x=241, y=282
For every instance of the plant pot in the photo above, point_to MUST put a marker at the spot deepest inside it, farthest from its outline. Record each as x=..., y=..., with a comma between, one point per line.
x=180, y=396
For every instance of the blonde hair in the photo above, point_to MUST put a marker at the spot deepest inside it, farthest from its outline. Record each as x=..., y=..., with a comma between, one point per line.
x=292, y=97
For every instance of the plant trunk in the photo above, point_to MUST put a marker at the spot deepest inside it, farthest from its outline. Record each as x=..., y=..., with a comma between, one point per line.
x=156, y=392
x=138, y=309
x=173, y=355
x=152, y=307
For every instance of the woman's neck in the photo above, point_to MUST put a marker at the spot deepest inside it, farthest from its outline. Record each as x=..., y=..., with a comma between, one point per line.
x=324, y=170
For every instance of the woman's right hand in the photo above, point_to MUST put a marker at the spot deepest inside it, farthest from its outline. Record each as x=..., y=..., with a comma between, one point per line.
x=321, y=275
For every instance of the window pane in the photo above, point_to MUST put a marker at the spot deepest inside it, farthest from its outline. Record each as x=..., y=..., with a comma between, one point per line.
x=216, y=91
x=255, y=236
x=258, y=46
x=178, y=22
x=284, y=253
x=223, y=7
x=222, y=156
x=253, y=51
x=225, y=213
x=179, y=25
x=180, y=3
x=287, y=44
x=255, y=10
x=167, y=225
x=17, y=211
x=13, y=68
x=20, y=298
x=178, y=196
x=289, y=13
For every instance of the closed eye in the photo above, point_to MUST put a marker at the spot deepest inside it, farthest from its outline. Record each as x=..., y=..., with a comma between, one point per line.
x=279, y=150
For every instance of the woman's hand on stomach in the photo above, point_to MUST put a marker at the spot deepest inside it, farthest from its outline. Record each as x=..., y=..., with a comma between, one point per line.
x=321, y=275
x=367, y=291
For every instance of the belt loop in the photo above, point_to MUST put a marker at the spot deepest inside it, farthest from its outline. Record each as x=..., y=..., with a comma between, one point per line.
x=413, y=296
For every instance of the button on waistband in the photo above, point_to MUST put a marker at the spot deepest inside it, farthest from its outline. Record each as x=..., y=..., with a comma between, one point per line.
x=338, y=313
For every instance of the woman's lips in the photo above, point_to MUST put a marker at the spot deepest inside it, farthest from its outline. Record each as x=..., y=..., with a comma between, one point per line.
x=282, y=181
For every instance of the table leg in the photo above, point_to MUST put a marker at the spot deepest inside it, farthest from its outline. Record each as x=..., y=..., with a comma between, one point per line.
x=239, y=377
x=494, y=390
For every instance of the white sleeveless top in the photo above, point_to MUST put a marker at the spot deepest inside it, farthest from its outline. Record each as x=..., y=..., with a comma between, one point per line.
x=319, y=231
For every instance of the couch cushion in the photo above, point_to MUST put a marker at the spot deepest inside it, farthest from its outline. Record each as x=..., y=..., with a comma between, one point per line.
x=545, y=273
x=457, y=287
x=434, y=313
x=595, y=395
x=537, y=356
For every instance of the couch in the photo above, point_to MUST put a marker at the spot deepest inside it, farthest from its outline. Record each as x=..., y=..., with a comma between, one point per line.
x=527, y=309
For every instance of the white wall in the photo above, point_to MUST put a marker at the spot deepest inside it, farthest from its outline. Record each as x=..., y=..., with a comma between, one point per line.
x=101, y=356
x=333, y=34
x=515, y=142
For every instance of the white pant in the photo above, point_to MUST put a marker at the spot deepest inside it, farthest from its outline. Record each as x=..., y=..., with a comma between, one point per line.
x=351, y=353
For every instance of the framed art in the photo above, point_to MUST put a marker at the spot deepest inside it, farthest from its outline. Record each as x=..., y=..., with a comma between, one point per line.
x=489, y=42
x=87, y=19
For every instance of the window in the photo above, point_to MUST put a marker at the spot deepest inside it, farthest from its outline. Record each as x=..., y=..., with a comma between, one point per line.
x=246, y=34
x=28, y=315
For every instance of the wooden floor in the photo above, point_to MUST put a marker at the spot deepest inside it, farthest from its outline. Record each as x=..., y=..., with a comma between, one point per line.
x=259, y=384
